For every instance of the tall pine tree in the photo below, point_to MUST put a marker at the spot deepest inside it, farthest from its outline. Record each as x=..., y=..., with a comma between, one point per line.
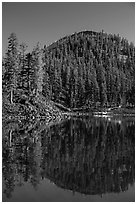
x=12, y=65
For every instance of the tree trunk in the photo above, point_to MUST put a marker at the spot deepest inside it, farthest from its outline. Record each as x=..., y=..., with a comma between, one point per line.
x=10, y=140
x=11, y=96
x=58, y=105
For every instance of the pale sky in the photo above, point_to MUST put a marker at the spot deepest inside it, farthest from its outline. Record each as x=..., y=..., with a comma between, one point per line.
x=46, y=22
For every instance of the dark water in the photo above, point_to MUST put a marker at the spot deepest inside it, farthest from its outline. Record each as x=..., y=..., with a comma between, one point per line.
x=85, y=159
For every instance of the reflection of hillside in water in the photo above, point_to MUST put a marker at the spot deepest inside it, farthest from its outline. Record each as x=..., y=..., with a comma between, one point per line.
x=91, y=156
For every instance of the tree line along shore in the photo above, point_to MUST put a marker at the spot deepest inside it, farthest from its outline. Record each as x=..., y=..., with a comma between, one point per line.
x=86, y=71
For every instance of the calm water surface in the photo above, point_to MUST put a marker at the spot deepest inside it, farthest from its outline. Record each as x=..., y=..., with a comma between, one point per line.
x=79, y=159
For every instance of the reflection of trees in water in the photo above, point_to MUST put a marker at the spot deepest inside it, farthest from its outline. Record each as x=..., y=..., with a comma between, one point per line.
x=19, y=157
x=91, y=156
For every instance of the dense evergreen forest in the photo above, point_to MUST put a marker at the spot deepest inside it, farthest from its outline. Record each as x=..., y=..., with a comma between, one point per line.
x=84, y=70
x=88, y=71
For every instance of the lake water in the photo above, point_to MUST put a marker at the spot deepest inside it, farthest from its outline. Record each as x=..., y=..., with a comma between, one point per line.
x=78, y=159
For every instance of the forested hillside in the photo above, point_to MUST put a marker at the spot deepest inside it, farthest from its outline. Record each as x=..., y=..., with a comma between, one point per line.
x=93, y=69
x=84, y=70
